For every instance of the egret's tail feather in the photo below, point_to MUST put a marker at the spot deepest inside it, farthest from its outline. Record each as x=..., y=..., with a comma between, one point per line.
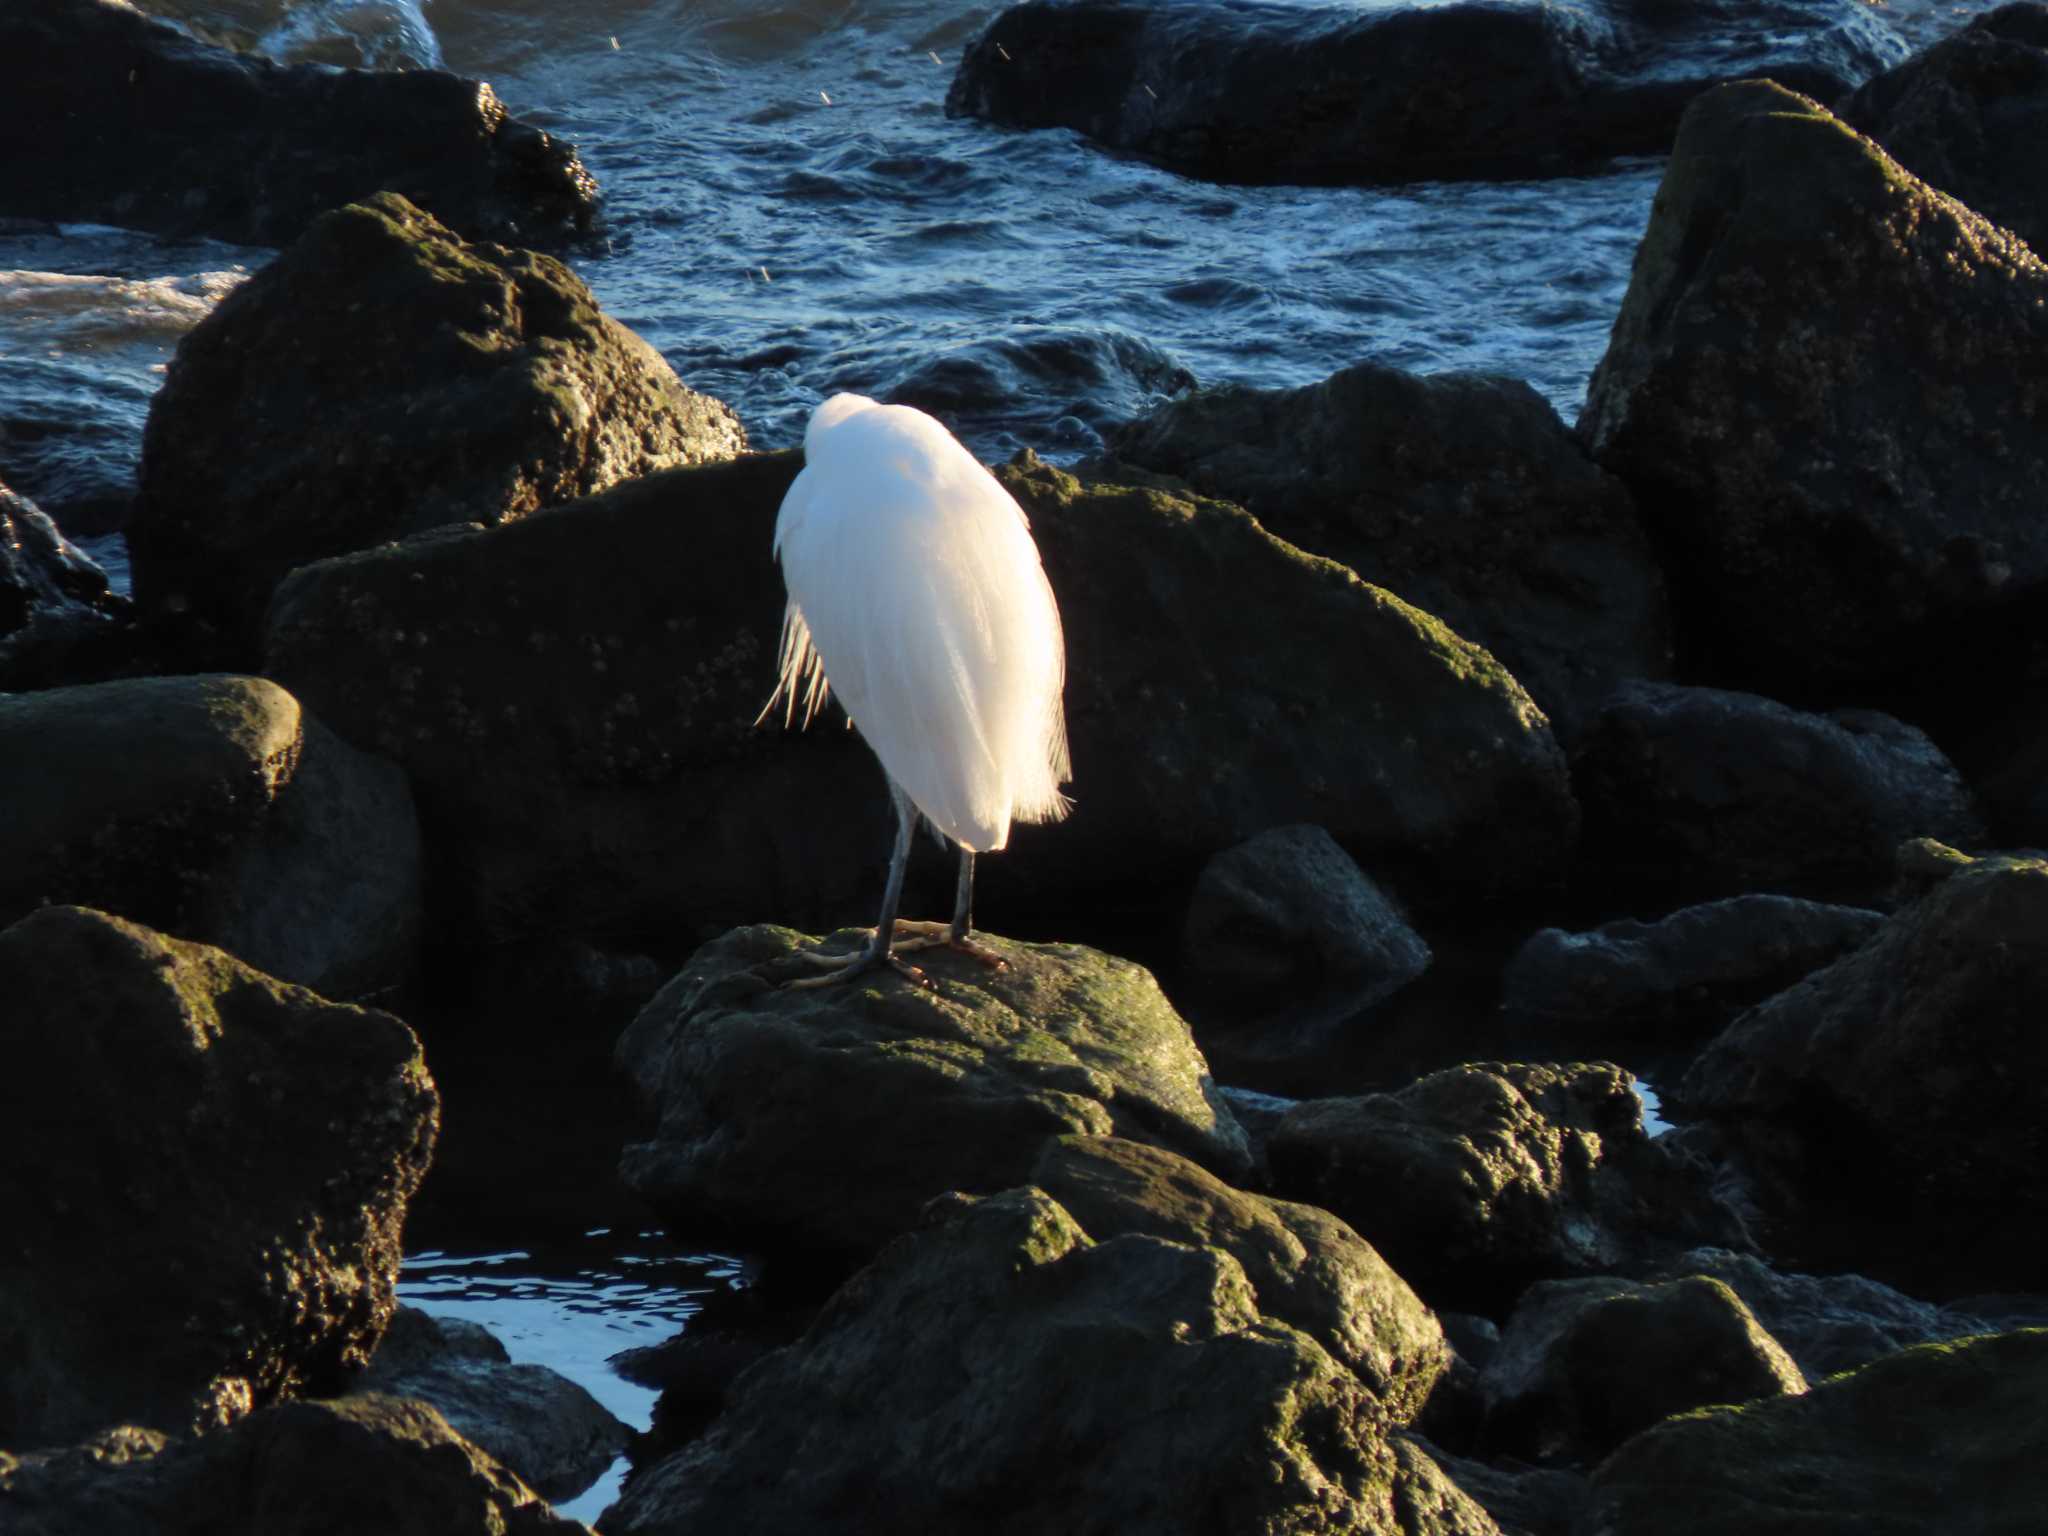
x=801, y=673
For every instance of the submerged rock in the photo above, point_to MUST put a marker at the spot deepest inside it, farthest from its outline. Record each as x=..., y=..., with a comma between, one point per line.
x=1945, y=1437
x=1306, y=1268
x=1001, y=1371
x=827, y=1118
x=214, y=808
x=1585, y=1364
x=1645, y=989
x=356, y=1464
x=489, y=385
x=1287, y=940
x=1963, y=114
x=1236, y=90
x=1828, y=389
x=1461, y=493
x=550, y=1432
x=136, y=124
x=205, y=1172
x=1696, y=793
x=1476, y=1181
x=1891, y=1106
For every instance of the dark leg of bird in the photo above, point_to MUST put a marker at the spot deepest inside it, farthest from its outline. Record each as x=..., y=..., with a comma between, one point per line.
x=953, y=935
x=881, y=949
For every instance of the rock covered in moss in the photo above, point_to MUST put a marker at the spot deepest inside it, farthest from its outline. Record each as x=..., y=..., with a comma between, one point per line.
x=828, y=1117
x=1461, y=493
x=215, y=808
x=368, y=1463
x=1828, y=389
x=1287, y=940
x=1476, y=1181
x=1962, y=113
x=1698, y=793
x=1222, y=681
x=137, y=124
x=1585, y=1364
x=1943, y=1437
x=1305, y=1266
x=1002, y=1371
x=1892, y=1105
x=205, y=1172
x=380, y=377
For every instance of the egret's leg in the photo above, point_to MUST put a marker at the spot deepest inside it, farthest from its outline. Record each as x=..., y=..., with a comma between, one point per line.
x=879, y=950
x=953, y=935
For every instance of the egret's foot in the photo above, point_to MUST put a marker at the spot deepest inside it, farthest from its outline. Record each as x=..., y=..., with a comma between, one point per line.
x=838, y=968
x=942, y=936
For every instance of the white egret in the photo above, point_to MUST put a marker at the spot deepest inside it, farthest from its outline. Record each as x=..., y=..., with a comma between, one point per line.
x=916, y=594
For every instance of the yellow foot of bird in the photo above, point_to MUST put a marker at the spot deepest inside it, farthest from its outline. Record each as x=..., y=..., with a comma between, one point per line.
x=838, y=968
x=940, y=936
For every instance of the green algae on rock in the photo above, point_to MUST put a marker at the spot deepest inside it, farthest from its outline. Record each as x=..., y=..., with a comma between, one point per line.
x=827, y=1118
x=1828, y=389
x=381, y=377
x=999, y=1370
x=205, y=1172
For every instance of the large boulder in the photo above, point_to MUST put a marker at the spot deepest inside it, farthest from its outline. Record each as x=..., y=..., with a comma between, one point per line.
x=1003, y=1372
x=205, y=1172
x=489, y=385
x=1461, y=493
x=349, y=1466
x=1240, y=90
x=1828, y=389
x=1944, y=1437
x=1643, y=991
x=1894, y=1106
x=1697, y=793
x=137, y=124
x=1479, y=1180
x=574, y=697
x=828, y=1117
x=1961, y=114
x=1584, y=1364
x=215, y=808
x=1306, y=1268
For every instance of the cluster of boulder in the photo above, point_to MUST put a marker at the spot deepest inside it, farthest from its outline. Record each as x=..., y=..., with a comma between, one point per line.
x=1447, y=768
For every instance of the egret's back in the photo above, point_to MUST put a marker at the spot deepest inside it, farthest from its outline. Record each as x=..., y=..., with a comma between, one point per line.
x=914, y=583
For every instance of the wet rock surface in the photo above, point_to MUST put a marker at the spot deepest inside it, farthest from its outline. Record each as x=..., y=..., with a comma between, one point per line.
x=1250, y=92
x=1831, y=1461
x=1460, y=493
x=827, y=1118
x=1128, y=1385
x=1644, y=990
x=1477, y=1181
x=1850, y=1096
x=1696, y=793
x=57, y=611
x=289, y=429
x=369, y=1463
x=548, y=1431
x=136, y=124
x=215, y=808
x=1825, y=391
x=167, y=1111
